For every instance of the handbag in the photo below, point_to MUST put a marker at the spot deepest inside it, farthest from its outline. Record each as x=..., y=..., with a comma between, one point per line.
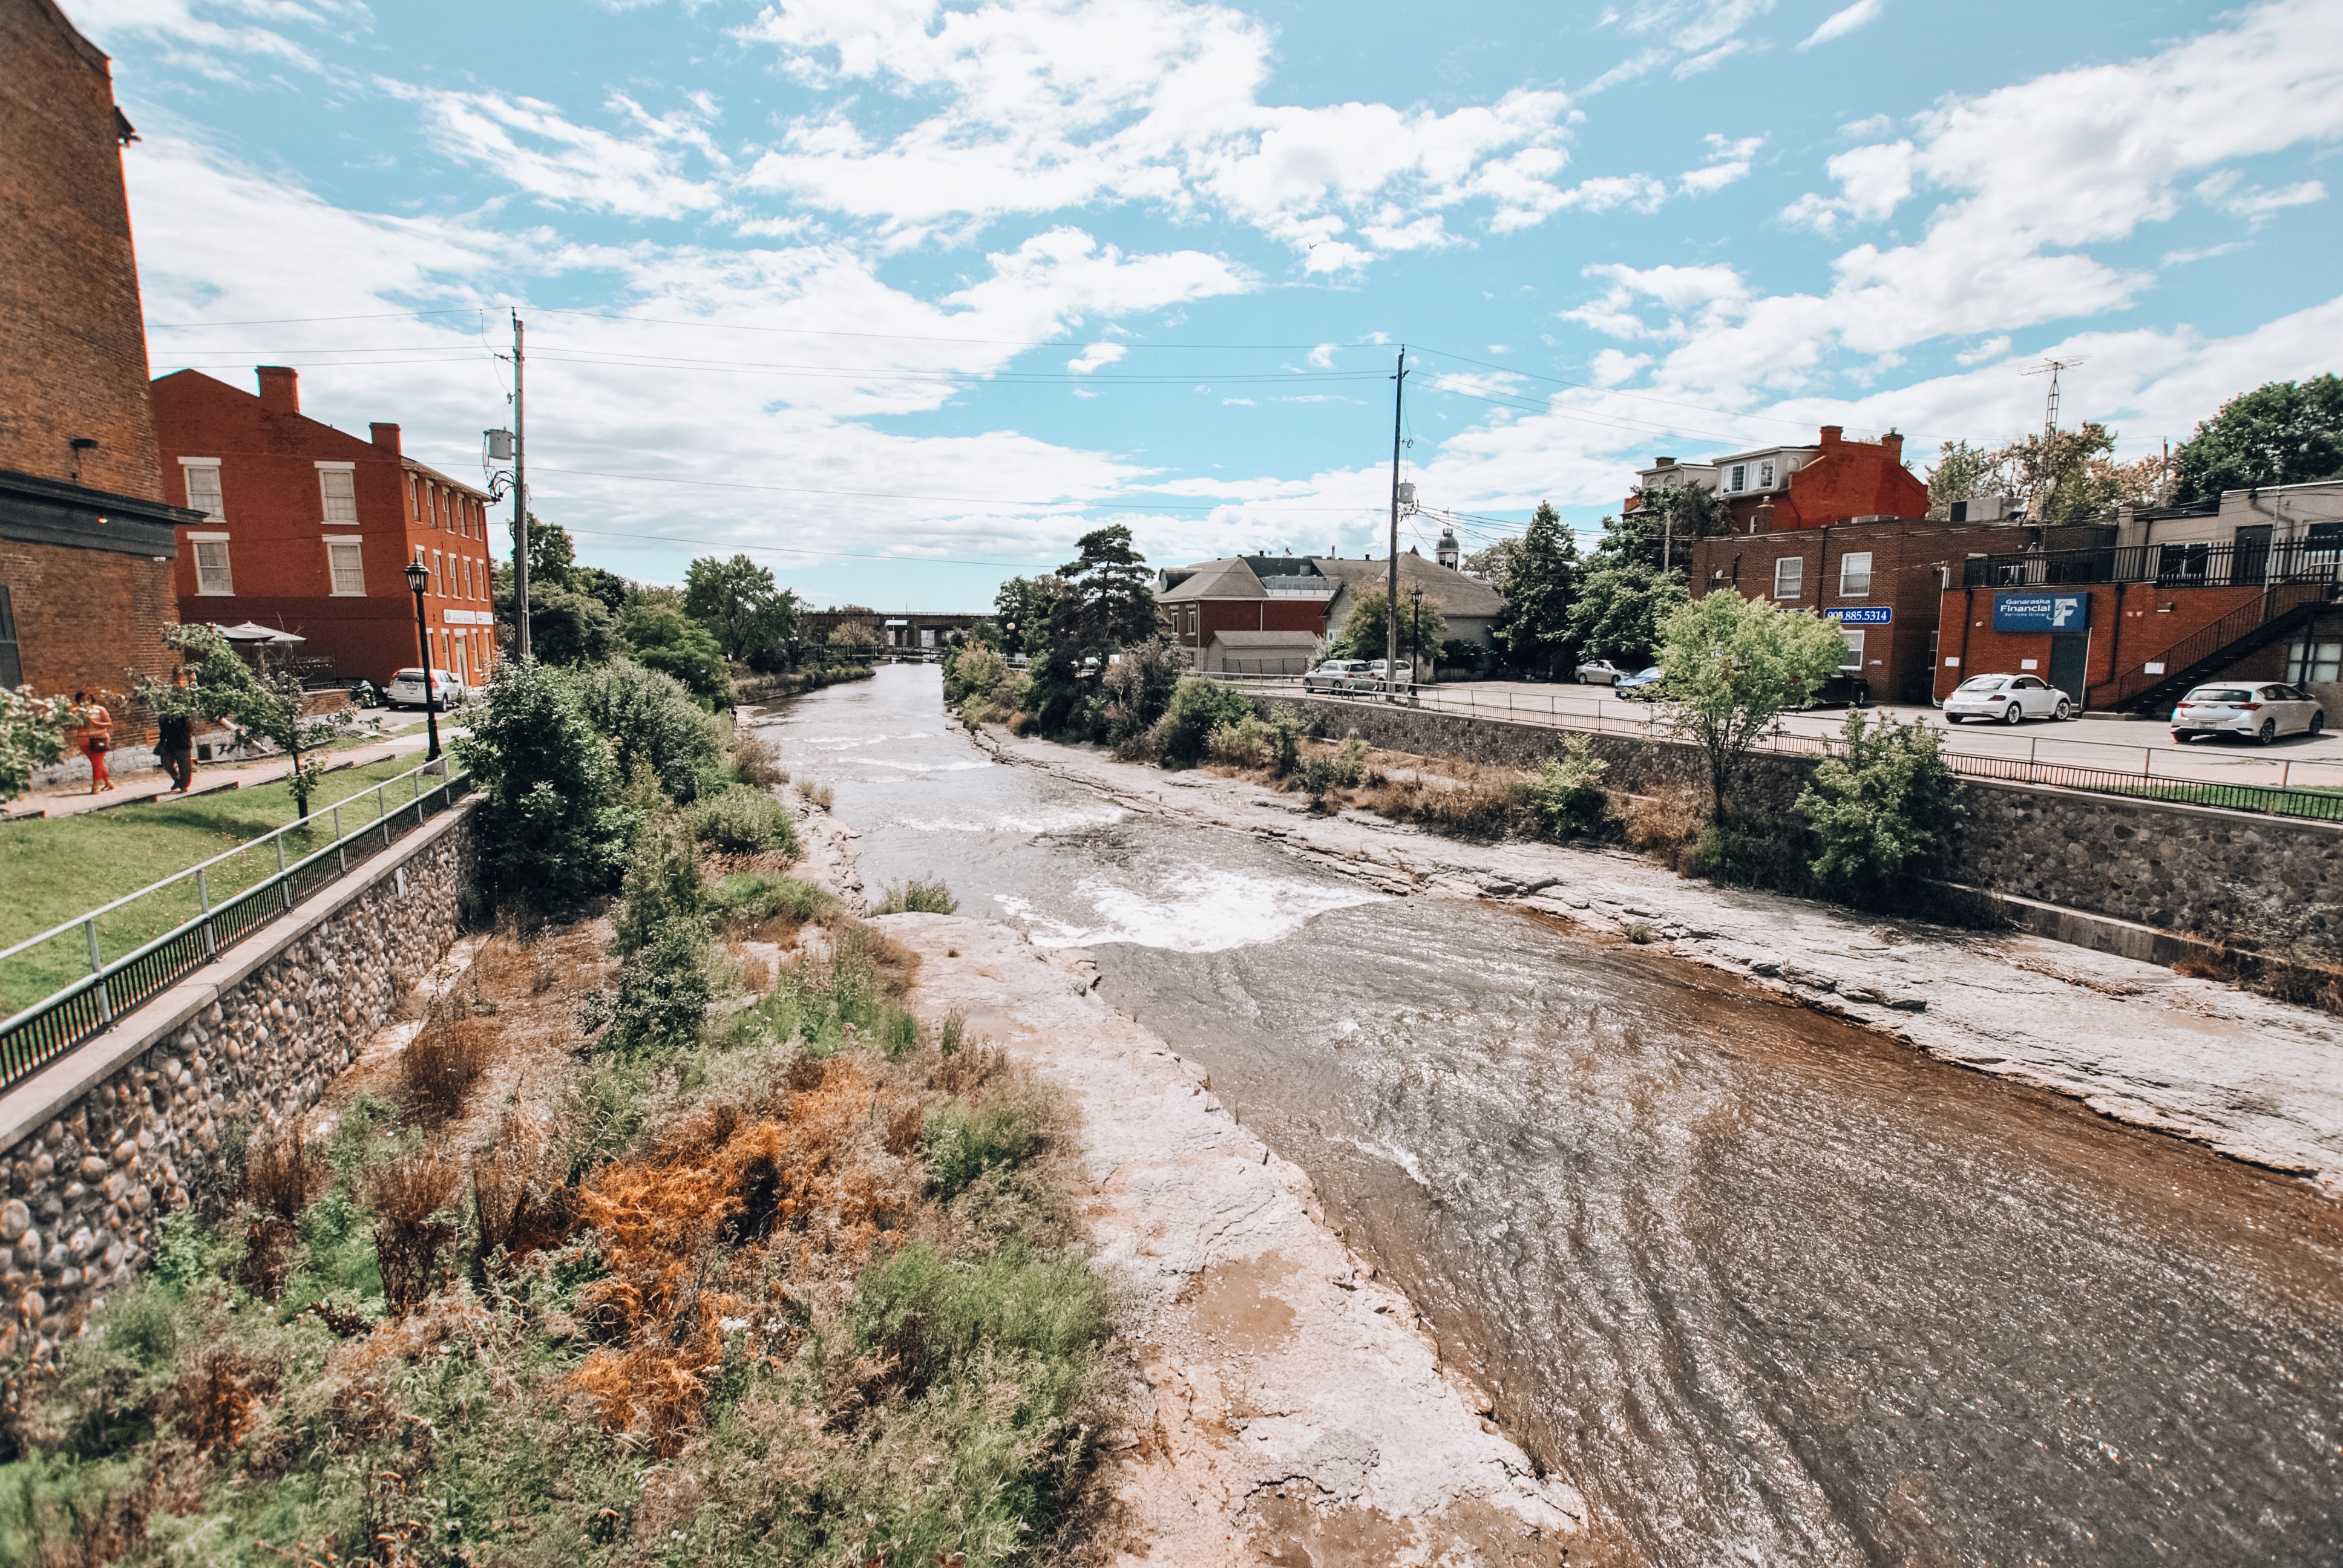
x=99, y=743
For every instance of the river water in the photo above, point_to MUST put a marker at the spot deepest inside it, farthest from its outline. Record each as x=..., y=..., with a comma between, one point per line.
x=1765, y=1288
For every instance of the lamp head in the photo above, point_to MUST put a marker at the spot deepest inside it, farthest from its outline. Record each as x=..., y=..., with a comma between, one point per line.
x=418, y=576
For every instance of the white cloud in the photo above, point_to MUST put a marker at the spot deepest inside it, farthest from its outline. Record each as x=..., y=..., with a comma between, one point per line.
x=1035, y=105
x=1639, y=192
x=219, y=39
x=1728, y=160
x=1697, y=36
x=2252, y=203
x=532, y=144
x=1095, y=356
x=1839, y=23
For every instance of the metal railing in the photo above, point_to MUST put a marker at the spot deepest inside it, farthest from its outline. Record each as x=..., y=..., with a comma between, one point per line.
x=2210, y=648
x=74, y=1013
x=1587, y=715
x=2249, y=564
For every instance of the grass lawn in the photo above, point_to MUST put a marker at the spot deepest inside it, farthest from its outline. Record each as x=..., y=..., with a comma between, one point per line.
x=52, y=870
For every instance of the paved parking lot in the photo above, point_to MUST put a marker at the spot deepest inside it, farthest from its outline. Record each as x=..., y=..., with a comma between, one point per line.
x=2114, y=745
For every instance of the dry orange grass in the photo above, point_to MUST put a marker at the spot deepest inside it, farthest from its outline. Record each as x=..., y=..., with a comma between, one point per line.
x=798, y=1195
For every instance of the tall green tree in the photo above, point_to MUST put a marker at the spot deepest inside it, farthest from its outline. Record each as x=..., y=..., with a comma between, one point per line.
x=2281, y=433
x=1108, y=602
x=258, y=704
x=551, y=552
x=754, y=618
x=1962, y=473
x=1541, y=583
x=1729, y=667
x=666, y=639
x=1620, y=609
x=552, y=830
x=1021, y=608
x=1668, y=519
x=1422, y=630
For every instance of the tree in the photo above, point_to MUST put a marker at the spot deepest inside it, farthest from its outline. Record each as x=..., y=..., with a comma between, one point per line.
x=1620, y=609
x=1883, y=812
x=263, y=704
x=651, y=722
x=550, y=554
x=552, y=832
x=1364, y=632
x=1962, y=473
x=2281, y=433
x=666, y=639
x=754, y=618
x=2062, y=476
x=1541, y=583
x=1668, y=519
x=567, y=628
x=1730, y=667
x=1021, y=608
x=1106, y=603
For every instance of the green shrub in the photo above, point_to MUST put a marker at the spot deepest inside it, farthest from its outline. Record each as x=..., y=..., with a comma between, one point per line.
x=662, y=993
x=1747, y=858
x=663, y=883
x=1351, y=761
x=1135, y=690
x=1285, y=731
x=666, y=640
x=1196, y=708
x=1004, y=1128
x=748, y=899
x=1883, y=813
x=818, y=795
x=651, y=718
x=974, y=672
x=746, y=823
x=1564, y=793
x=1247, y=743
x=916, y=897
x=552, y=831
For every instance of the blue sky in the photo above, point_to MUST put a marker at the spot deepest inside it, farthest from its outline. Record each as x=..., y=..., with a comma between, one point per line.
x=901, y=297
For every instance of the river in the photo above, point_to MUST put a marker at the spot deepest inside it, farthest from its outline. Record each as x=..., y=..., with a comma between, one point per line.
x=1766, y=1288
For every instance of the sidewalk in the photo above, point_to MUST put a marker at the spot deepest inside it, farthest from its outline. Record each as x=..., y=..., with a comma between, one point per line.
x=210, y=778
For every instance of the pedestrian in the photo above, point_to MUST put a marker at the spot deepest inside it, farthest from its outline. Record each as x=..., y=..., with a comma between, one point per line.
x=174, y=743
x=94, y=739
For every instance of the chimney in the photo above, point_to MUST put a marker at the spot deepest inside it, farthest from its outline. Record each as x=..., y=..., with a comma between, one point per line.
x=1893, y=442
x=280, y=388
x=1831, y=435
x=386, y=436
x=1663, y=462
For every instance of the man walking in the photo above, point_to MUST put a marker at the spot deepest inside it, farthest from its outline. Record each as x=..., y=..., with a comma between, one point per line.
x=174, y=743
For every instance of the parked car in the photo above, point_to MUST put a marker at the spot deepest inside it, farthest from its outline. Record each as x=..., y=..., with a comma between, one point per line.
x=2262, y=709
x=1370, y=677
x=407, y=690
x=1599, y=672
x=1334, y=675
x=1641, y=687
x=2009, y=699
x=1842, y=688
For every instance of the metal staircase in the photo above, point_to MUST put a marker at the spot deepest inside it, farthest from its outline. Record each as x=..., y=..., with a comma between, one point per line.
x=2281, y=610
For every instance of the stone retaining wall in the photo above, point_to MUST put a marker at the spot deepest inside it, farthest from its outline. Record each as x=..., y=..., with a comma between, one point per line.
x=2188, y=868
x=99, y=1145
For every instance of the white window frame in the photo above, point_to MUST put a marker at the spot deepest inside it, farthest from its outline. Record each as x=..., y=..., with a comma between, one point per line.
x=438, y=582
x=337, y=542
x=189, y=467
x=1853, y=582
x=2314, y=659
x=1794, y=589
x=1766, y=474
x=327, y=501
x=1853, y=659
x=226, y=568
x=1736, y=477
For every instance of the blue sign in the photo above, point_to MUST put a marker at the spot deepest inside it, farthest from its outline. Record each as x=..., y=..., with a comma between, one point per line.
x=1861, y=615
x=2041, y=611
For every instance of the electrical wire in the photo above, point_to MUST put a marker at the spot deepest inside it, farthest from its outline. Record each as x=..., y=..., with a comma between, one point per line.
x=962, y=500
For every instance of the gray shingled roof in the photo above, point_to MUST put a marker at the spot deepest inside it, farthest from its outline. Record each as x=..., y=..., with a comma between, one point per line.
x=1455, y=593
x=1229, y=579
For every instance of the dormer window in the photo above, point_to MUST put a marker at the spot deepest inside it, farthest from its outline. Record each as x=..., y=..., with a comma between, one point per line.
x=1766, y=474
x=1736, y=478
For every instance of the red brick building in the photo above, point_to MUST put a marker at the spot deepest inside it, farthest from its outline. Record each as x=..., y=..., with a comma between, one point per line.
x=309, y=530
x=86, y=534
x=1257, y=615
x=1776, y=489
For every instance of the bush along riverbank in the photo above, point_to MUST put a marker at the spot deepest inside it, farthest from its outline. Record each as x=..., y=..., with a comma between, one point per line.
x=774, y=1274
x=752, y=689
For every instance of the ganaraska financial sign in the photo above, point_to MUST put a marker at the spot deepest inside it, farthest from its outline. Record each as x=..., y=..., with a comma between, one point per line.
x=2041, y=611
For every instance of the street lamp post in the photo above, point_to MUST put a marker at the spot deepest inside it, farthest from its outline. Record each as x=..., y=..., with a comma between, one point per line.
x=418, y=577
x=1415, y=598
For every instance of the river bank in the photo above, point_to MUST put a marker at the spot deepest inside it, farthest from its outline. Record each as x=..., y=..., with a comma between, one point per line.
x=2257, y=1079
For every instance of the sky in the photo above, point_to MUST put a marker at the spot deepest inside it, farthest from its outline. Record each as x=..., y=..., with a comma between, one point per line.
x=901, y=299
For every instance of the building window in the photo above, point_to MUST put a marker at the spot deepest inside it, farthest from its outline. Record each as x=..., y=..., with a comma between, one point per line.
x=1765, y=476
x=1855, y=573
x=2324, y=540
x=1854, y=656
x=1736, y=477
x=2314, y=659
x=212, y=575
x=339, y=488
x=11, y=663
x=1789, y=578
x=345, y=564
x=204, y=490
x=438, y=583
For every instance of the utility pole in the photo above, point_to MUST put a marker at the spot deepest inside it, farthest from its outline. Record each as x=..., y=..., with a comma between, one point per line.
x=520, y=503
x=1391, y=597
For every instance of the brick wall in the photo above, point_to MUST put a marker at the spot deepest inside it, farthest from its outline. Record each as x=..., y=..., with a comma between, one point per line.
x=85, y=619
x=73, y=347
x=1846, y=479
x=2130, y=624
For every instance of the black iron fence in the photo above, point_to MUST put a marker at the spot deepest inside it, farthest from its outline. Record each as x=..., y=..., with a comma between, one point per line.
x=87, y=1007
x=2246, y=563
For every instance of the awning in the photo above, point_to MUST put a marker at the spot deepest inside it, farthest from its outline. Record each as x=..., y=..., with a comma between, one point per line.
x=252, y=631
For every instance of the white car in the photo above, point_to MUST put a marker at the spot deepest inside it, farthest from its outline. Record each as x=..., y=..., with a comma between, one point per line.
x=1369, y=677
x=1599, y=672
x=1334, y=675
x=2263, y=710
x=2007, y=698
x=405, y=690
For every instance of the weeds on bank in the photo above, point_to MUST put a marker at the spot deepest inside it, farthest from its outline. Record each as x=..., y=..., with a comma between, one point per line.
x=916, y=896
x=791, y=1284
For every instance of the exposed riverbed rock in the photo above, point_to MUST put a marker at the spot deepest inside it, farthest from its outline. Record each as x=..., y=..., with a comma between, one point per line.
x=1288, y=1407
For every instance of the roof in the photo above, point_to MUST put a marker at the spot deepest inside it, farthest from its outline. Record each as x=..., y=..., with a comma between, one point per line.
x=478, y=494
x=1453, y=591
x=1229, y=579
x=1268, y=639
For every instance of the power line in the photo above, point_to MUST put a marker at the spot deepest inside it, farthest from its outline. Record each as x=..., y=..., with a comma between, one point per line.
x=962, y=500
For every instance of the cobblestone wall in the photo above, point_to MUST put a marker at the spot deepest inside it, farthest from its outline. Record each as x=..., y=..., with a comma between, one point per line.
x=85, y=1189
x=2193, y=869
